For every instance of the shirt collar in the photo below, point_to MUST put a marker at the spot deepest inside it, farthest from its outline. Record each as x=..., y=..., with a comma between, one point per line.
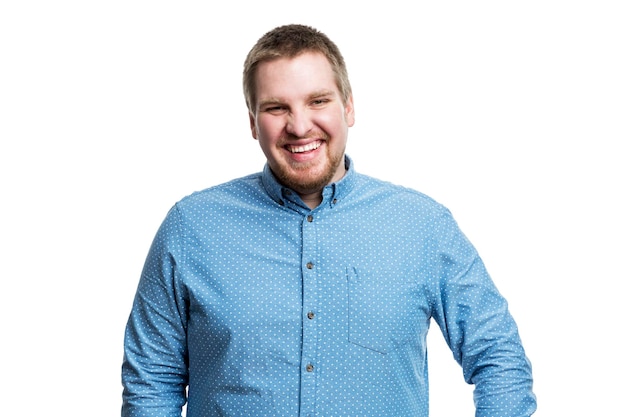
x=332, y=194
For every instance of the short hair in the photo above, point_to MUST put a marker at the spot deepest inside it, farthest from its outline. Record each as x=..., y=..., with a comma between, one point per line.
x=289, y=41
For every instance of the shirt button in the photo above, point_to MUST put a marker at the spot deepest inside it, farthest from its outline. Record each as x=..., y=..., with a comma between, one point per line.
x=309, y=368
x=310, y=315
x=309, y=218
x=309, y=265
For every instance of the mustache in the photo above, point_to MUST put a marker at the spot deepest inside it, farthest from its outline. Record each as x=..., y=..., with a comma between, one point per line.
x=288, y=137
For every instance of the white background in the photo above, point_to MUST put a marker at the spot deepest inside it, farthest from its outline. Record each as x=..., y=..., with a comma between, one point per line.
x=512, y=114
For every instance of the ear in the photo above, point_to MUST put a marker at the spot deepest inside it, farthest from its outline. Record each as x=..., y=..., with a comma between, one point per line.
x=253, y=125
x=349, y=111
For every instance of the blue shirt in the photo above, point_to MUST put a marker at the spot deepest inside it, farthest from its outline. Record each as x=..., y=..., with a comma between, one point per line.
x=264, y=307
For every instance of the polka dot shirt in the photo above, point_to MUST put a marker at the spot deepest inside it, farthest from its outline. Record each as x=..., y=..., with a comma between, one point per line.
x=252, y=304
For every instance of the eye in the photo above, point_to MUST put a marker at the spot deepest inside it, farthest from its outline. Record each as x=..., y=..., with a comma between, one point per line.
x=319, y=101
x=275, y=109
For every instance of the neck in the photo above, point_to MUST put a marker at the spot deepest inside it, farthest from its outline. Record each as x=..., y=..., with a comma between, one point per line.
x=311, y=199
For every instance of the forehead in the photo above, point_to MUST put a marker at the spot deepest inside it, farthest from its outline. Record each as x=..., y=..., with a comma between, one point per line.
x=285, y=77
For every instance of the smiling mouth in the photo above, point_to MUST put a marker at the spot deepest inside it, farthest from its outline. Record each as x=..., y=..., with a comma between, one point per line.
x=304, y=148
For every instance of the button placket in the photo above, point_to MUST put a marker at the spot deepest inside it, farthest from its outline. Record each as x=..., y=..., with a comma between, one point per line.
x=309, y=318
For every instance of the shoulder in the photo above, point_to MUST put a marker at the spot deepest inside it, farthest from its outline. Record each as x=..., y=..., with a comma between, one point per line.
x=396, y=195
x=237, y=190
x=220, y=201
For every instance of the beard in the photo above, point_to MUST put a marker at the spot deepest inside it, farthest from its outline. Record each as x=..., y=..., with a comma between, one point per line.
x=309, y=177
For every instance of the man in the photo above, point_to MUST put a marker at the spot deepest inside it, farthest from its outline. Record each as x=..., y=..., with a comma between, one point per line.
x=308, y=289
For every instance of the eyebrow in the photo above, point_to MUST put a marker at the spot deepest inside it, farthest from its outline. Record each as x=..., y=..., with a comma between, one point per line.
x=321, y=93
x=313, y=95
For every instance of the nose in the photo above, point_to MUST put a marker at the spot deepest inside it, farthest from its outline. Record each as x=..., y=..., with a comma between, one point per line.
x=299, y=123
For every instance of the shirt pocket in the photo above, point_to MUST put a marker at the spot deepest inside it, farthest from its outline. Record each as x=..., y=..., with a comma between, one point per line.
x=379, y=310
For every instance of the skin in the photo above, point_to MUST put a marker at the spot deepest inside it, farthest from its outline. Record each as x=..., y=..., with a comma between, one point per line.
x=301, y=123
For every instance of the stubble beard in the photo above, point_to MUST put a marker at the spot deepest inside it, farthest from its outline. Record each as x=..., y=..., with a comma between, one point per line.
x=294, y=175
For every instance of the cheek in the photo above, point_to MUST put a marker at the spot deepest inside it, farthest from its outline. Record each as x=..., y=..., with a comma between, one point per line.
x=268, y=129
x=335, y=121
x=335, y=125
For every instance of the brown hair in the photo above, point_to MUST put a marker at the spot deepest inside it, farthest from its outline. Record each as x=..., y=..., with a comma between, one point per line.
x=290, y=41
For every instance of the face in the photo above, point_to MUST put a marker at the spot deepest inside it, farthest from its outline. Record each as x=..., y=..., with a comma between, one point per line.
x=301, y=121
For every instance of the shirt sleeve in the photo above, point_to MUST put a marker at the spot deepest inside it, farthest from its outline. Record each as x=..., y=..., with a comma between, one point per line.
x=478, y=327
x=154, y=369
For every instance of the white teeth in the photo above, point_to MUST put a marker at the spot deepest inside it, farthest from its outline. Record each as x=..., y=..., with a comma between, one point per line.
x=305, y=148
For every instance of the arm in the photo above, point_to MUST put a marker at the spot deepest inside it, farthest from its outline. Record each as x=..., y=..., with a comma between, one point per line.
x=479, y=329
x=154, y=370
